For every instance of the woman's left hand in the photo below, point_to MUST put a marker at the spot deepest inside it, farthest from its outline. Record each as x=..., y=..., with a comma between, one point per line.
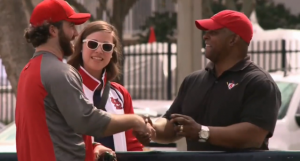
x=99, y=150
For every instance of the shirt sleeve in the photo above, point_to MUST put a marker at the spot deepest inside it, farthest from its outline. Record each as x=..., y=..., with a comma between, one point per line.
x=261, y=105
x=66, y=89
x=177, y=103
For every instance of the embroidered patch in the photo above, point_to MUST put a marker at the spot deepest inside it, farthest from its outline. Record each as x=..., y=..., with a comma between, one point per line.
x=231, y=85
x=116, y=103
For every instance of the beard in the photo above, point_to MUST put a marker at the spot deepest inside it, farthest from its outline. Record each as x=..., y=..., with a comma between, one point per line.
x=65, y=44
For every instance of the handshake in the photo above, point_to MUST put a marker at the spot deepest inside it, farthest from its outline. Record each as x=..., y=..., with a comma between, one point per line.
x=145, y=131
x=184, y=126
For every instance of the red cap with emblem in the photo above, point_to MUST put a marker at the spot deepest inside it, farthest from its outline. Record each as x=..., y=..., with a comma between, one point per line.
x=55, y=11
x=236, y=22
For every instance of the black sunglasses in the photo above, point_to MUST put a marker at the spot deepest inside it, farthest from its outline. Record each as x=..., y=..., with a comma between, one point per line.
x=93, y=45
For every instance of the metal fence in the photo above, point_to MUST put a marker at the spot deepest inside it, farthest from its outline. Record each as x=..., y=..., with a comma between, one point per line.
x=150, y=69
x=7, y=98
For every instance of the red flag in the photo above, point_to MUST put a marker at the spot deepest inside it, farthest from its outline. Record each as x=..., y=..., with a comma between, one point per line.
x=152, y=36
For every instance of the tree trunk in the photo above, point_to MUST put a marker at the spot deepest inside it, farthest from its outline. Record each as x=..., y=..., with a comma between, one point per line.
x=29, y=6
x=120, y=11
x=231, y=4
x=206, y=9
x=101, y=8
x=14, y=50
x=248, y=7
x=80, y=8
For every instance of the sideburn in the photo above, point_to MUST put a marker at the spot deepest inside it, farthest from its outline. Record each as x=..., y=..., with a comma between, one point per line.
x=65, y=44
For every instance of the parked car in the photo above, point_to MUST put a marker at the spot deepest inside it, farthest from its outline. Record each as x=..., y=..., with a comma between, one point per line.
x=287, y=130
x=2, y=126
x=8, y=139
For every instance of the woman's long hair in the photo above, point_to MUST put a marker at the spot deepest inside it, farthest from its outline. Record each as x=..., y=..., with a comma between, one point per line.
x=113, y=68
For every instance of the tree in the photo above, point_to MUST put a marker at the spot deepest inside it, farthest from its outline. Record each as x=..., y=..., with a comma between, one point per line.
x=272, y=16
x=14, y=50
x=269, y=14
x=209, y=8
x=164, y=25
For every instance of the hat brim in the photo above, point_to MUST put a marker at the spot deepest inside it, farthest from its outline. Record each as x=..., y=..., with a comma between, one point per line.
x=207, y=24
x=79, y=18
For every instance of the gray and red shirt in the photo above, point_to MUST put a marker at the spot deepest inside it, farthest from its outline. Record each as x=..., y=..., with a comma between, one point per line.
x=52, y=112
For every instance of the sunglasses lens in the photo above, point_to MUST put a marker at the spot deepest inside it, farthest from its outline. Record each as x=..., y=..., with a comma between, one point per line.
x=107, y=47
x=92, y=44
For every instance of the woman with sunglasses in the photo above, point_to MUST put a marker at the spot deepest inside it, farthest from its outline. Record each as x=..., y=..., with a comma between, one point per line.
x=96, y=57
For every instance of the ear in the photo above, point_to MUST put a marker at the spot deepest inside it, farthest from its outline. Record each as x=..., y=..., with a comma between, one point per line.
x=233, y=40
x=53, y=31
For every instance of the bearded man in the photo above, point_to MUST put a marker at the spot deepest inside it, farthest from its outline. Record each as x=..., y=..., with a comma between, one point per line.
x=52, y=112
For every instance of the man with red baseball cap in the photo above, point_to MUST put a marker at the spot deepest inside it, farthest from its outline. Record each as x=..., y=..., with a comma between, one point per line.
x=52, y=112
x=236, y=22
x=233, y=103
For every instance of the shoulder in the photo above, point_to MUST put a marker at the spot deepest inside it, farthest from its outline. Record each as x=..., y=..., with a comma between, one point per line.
x=62, y=72
x=259, y=78
x=194, y=77
x=196, y=74
x=119, y=88
x=256, y=74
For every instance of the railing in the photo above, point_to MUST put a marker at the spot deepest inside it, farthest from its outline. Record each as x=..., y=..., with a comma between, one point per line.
x=195, y=156
x=149, y=70
x=7, y=104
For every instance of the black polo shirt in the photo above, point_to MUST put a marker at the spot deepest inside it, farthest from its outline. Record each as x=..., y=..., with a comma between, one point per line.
x=244, y=93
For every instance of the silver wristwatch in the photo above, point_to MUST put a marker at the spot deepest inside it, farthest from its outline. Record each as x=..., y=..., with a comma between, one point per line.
x=203, y=134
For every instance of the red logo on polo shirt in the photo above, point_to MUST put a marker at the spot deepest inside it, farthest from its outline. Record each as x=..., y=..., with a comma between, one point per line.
x=116, y=102
x=231, y=85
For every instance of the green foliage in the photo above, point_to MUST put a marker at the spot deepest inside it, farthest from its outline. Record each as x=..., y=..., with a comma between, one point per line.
x=217, y=6
x=272, y=16
x=164, y=25
x=269, y=15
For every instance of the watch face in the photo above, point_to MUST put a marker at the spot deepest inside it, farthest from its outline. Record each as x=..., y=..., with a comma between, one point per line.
x=204, y=134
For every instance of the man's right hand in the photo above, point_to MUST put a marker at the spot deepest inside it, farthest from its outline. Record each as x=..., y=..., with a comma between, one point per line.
x=144, y=131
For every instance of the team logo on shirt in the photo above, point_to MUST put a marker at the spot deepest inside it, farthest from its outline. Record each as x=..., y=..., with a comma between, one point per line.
x=116, y=102
x=231, y=85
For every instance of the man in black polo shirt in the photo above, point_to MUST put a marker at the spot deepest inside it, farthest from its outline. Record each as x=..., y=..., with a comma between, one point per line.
x=233, y=103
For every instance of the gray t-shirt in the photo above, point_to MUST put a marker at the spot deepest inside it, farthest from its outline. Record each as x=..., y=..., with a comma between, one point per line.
x=52, y=112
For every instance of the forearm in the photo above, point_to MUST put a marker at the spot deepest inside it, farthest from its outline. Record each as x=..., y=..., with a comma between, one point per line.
x=164, y=131
x=237, y=136
x=120, y=123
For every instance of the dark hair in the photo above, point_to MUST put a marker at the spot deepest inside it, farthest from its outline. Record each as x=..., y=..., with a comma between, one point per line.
x=40, y=34
x=113, y=67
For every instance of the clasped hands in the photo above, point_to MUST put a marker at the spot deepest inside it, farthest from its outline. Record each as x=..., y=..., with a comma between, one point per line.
x=144, y=136
x=184, y=126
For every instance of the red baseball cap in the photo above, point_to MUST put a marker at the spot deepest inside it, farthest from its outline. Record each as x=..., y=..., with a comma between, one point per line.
x=55, y=11
x=236, y=22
